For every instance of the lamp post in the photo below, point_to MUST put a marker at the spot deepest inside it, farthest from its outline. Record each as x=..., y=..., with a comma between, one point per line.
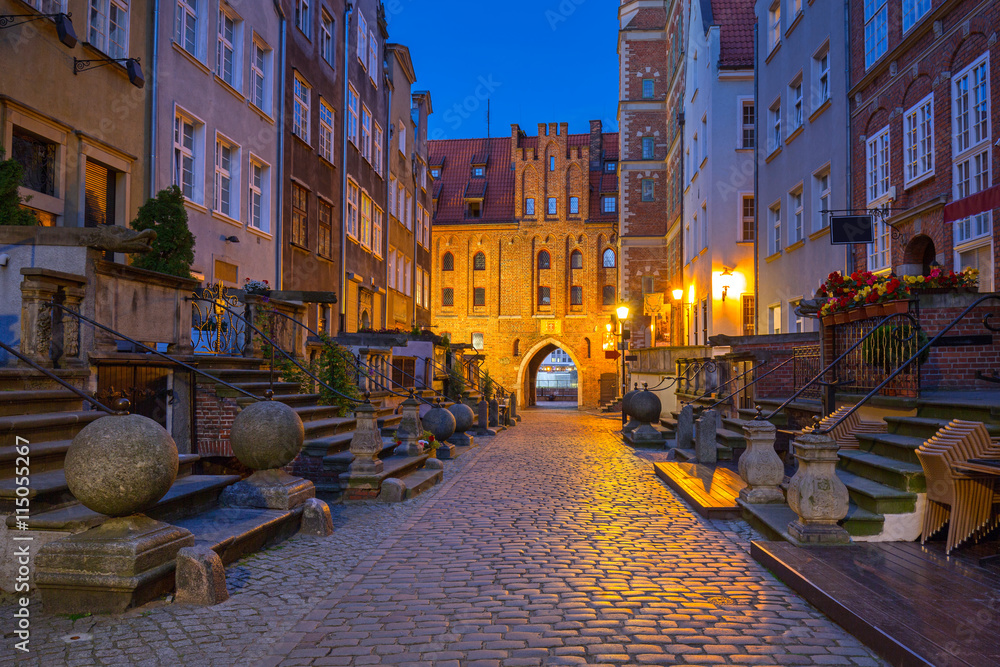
x=622, y=312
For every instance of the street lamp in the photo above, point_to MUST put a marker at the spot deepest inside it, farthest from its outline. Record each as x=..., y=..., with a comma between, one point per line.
x=622, y=312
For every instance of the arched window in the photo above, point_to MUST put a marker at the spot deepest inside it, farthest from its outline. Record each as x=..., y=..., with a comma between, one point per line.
x=576, y=260
x=517, y=347
x=544, y=261
x=365, y=320
x=479, y=262
x=609, y=259
x=448, y=262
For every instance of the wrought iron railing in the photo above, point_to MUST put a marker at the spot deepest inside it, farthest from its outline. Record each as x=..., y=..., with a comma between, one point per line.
x=716, y=390
x=742, y=390
x=216, y=328
x=866, y=365
x=804, y=366
x=695, y=375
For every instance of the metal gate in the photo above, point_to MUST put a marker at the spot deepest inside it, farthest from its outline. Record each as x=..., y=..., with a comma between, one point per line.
x=147, y=387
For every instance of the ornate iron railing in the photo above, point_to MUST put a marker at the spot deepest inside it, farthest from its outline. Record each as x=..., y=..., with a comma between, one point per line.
x=216, y=328
x=865, y=366
x=804, y=366
x=752, y=382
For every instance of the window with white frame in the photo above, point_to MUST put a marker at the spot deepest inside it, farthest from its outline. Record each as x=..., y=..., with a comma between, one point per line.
x=409, y=211
x=303, y=16
x=420, y=289
x=821, y=193
x=186, y=28
x=876, y=31
x=795, y=319
x=821, y=77
x=326, y=131
x=970, y=92
x=748, y=124
x=229, y=54
x=795, y=207
x=774, y=25
x=301, y=100
x=377, y=139
x=913, y=11
x=366, y=133
x=327, y=39
x=48, y=6
x=392, y=196
x=108, y=30
x=427, y=230
x=427, y=290
x=774, y=123
x=408, y=277
x=972, y=175
x=188, y=157
x=227, y=189
x=774, y=215
x=878, y=252
x=402, y=137
x=795, y=105
x=362, y=40
x=878, y=166
x=352, y=115
x=748, y=218
x=391, y=261
x=774, y=318
x=260, y=73
x=918, y=138
x=366, y=220
x=401, y=203
x=373, y=68
x=260, y=196
x=353, y=197
x=378, y=224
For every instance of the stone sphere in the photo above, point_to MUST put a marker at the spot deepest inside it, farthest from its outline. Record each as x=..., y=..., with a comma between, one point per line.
x=464, y=417
x=627, y=400
x=440, y=422
x=645, y=407
x=121, y=465
x=267, y=434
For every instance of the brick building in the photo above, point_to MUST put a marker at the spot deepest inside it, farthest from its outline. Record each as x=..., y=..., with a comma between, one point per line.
x=924, y=112
x=523, y=251
x=651, y=93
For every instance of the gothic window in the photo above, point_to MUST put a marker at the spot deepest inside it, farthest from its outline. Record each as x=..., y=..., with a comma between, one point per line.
x=544, y=261
x=479, y=262
x=609, y=259
x=448, y=262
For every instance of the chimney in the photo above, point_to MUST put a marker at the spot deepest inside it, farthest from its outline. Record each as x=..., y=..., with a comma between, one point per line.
x=596, y=142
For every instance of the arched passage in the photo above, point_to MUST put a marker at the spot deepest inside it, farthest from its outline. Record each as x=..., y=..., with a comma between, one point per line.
x=918, y=256
x=527, y=372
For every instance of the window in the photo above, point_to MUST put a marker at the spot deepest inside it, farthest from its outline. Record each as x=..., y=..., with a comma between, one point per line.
x=775, y=220
x=300, y=215
x=544, y=260
x=796, y=320
x=227, y=165
x=576, y=295
x=260, y=70
x=260, y=196
x=427, y=229
x=402, y=139
x=303, y=17
x=435, y=173
x=795, y=205
x=479, y=296
x=574, y=205
x=229, y=56
x=109, y=26
x=529, y=206
x=774, y=138
x=327, y=43
x=478, y=341
x=408, y=277
x=37, y=157
x=704, y=137
x=362, y=40
x=876, y=31
x=479, y=262
x=821, y=190
x=447, y=296
x=796, y=8
x=99, y=194
x=373, y=58
x=352, y=115
x=971, y=112
x=821, y=76
x=610, y=167
x=795, y=99
x=392, y=267
x=774, y=25
x=648, y=148
x=544, y=296
x=478, y=172
x=918, y=133
x=420, y=289
x=608, y=205
x=187, y=157
x=576, y=260
x=980, y=258
x=377, y=222
x=878, y=252
x=647, y=89
x=408, y=214
x=186, y=29
x=913, y=10
x=326, y=131
x=427, y=290
x=353, y=196
x=878, y=166
x=749, y=314
x=366, y=133
x=748, y=218
x=366, y=220
x=971, y=164
x=552, y=163
x=609, y=259
x=300, y=121
x=748, y=124
x=608, y=295
x=774, y=319
x=647, y=189
x=972, y=176
x=325, y=237
x=551, y=206
x=377, y=139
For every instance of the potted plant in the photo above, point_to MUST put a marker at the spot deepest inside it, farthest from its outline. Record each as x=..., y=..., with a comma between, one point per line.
x=429, y=443
x=257, y=287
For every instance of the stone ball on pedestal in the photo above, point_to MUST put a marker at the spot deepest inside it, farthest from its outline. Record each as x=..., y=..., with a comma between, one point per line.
x=440, y=422
x=121, y=465
x=266, y=435
x=465, y=418
x=645, y=407
x=627, y=401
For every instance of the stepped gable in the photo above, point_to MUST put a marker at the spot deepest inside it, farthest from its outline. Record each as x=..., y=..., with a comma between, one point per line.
x=455, y=158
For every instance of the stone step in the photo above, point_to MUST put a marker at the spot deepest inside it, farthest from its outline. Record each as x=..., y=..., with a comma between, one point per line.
x=329, y=445
x=420, y=480
x=36, y=401
x=236, y=532
x=772, y=520
x=951, y=409
x=240, y=375
x=862, y=523
x=925, y=427
x=901, y=475
x=48, y=490
x=780, y=420
x=341, y=461
x=27, y=379
x=893, y=446
x=314, y=412
x=47, y=426
x=321, y=428
x=684, y=454
x=187, y=497
x=877, y=498
x=42, y=457
x=258, y=388
x=729, y=441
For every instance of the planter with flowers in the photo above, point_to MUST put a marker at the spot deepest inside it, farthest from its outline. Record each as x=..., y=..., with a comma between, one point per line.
x=257, y=287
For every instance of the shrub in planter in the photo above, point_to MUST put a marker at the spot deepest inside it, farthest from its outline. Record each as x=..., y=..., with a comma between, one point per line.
x=173, y=248
x=11, y=210
x=891, y=344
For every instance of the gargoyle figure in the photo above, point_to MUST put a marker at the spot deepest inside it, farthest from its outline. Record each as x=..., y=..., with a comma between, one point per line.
x=118, y=239
x=809, y=307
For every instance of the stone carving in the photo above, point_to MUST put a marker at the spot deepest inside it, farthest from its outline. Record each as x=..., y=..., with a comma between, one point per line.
x=815, y=493
x=410, y=428
x=760, y=467
x=113, y=238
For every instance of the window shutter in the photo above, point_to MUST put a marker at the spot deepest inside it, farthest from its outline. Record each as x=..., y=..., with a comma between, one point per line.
x=96, y=204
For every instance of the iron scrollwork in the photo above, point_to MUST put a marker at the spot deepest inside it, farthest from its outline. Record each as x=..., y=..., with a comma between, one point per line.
x=214, y=329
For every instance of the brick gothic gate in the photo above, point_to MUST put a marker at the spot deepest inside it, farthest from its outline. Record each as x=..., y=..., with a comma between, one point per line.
x=527, y=373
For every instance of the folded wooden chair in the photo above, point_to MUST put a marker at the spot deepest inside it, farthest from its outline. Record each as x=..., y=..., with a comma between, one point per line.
x=846, y=433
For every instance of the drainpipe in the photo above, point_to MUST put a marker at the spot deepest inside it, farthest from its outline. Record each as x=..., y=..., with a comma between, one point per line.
x=343, y=172
x=154, y=88
x=386, y=160
x=848, y=249
x=680, y=232
x=416, y=193
x=756, y=182
x=280, y=190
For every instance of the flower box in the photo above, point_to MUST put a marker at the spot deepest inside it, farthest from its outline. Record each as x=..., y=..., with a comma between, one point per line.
x=873, y=310
x=828, y=320
x=840, y=318
x=895, y=307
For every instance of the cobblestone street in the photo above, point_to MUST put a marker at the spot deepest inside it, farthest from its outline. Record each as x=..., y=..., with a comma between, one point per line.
x=551, y=544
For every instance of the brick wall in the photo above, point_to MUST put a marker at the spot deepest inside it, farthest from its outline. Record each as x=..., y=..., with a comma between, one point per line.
x=774, y=348
x=214, y=416
x=955, y=367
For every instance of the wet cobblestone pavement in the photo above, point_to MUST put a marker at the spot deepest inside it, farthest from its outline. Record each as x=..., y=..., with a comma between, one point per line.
x=551, y=545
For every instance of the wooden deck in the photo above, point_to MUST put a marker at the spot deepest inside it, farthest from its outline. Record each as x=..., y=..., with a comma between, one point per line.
x=910, y=604
x=711, y=490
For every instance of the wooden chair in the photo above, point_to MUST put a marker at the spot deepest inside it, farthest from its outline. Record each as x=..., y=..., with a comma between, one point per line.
x=846, y=433
x=965, y=502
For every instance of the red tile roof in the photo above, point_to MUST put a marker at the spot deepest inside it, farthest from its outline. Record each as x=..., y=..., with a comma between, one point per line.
x=610, y=146
x=596, y=210
x=735, y=19
x=457, y=175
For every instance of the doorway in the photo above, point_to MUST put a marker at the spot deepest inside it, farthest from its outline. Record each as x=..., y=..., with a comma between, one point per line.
x=549, y=376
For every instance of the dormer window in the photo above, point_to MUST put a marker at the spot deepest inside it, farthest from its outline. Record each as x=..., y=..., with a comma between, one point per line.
x=435, y=173
x=610, y=167
x=478, y=172
x=475, y=209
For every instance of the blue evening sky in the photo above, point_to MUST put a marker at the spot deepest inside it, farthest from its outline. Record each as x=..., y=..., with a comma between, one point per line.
x=538, y=61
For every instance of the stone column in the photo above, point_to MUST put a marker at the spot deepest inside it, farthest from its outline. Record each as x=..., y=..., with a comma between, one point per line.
x=513, y=409
x=760, y=466
x=484, y=421
x=362, y=479
x=73, y=299
x=815, y=493
x=36, y=320
x=685, y=427
x=494, y=412
x=410, y=428
x=705, y=448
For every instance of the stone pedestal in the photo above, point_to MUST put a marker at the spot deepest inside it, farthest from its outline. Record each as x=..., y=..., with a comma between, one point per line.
x=483, y=410
x=647, y=435
x=816, y=494
x=123, y=563
x=269, y=489
x=760, y=467
x=316, y=518
x=410, y=428
x=362, y=479
x=685, y=427
x=494, y=413
x=200, y=577
x=706, y=449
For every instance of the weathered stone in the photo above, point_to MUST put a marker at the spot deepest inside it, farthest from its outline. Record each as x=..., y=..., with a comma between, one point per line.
x=316, y=518
x=647, y=435
x=706, y=449
x=632, y=422
x=484, y=422
x=121, y=465
x=759, y=466
x=269, y=489
x=815, y=492
x=465, y=418
x=685, y=427
x=366, y=443
x=434, y=464
x=645, y=407
x=267, y=434
x=494, y=413
x=393, y=491
x=411, y=428
x=461, y=440
x=440, y=422
x=200, y=577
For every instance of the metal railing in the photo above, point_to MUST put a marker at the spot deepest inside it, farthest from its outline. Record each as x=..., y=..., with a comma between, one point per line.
x=716, y=390
x=806, y=363
x=55, y=378
x=752, y=382
x=696, y=367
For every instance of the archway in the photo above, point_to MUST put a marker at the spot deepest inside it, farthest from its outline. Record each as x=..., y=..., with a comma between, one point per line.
x=918, y=256
x=527, y=373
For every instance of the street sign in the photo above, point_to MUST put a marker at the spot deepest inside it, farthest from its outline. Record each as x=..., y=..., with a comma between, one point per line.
x=631, y=357
x=850, y=229
x=611, y=354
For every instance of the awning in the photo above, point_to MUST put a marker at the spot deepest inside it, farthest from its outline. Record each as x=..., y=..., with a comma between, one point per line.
x=984, y=200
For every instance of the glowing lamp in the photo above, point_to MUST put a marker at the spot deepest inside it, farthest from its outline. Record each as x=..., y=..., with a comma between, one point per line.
x=622, y=312
x=678, y=294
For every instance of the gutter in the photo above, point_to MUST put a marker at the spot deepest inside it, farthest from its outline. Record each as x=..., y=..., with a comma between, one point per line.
x=756, y=180
x=849, y=249
x=348, y=9
x=280, y=162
